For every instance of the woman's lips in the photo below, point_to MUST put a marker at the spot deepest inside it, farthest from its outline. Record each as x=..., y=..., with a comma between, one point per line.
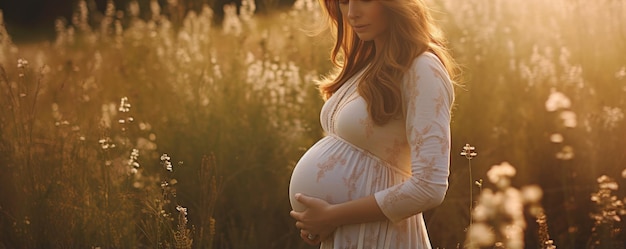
x=360, y=28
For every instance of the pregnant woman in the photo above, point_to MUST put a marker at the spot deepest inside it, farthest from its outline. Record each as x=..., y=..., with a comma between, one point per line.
x=386, y=154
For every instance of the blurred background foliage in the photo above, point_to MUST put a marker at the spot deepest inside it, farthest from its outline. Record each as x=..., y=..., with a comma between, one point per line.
x=31, y=20
x=228, y=93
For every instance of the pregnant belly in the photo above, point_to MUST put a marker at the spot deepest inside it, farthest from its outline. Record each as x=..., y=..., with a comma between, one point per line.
x=316, y=173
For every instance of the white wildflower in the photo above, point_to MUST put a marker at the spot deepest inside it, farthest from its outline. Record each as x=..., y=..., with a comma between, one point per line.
x=481, y=234
x=556, y=138
x=566, y=153
x=557, y=100
x=501, y=174
x=569, y=119
x=532, y=194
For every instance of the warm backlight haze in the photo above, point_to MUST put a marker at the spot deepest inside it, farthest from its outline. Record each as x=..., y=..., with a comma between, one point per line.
x=130, y=128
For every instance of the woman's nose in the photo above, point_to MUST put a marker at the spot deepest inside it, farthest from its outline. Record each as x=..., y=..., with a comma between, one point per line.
x=353, y=10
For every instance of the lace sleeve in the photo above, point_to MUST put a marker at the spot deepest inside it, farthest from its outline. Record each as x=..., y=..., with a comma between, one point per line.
x=427, y=99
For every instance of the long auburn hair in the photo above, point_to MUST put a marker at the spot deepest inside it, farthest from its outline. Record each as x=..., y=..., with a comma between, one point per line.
x=410, y=33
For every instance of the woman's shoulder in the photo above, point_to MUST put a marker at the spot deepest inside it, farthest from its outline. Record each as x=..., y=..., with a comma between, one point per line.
x=427, y=62
x=428, y=68
x=427, y=59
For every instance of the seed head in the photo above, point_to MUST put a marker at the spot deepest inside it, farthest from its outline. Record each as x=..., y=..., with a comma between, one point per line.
x=22, y=63
x=124, y=105
x=469, y=152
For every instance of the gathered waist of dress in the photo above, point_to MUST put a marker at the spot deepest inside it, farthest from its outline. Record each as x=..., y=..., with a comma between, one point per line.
x=371, y=155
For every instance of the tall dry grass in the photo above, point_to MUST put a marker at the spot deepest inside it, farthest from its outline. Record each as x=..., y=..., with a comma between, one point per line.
x=544, y=82
x=89, y=115
x=87, y=119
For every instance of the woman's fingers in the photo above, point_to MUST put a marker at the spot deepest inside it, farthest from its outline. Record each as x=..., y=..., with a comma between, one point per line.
x=302, y=198
x=301, y=225
x=310, y=238
x=296, y=215
x=307, y=223
x=309, y=201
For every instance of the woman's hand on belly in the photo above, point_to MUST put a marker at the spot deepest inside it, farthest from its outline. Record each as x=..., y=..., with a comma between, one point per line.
x=320, y=217
x=315, y=219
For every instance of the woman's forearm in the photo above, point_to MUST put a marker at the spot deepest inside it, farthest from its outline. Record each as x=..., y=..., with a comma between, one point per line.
x=361, y=210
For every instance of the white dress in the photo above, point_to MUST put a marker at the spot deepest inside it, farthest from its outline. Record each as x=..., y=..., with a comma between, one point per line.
x=404, y=163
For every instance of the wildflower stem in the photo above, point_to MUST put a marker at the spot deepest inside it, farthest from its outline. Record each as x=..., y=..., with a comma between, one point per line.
x=471, y=206
x=469, y=153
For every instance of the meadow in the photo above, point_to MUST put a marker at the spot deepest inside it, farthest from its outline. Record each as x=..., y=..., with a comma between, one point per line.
x=136, y=130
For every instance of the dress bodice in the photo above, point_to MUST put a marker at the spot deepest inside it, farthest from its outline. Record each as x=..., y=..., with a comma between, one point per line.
x=345, y=115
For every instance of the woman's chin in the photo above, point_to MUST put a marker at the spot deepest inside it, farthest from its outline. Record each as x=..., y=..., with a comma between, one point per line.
x=365, y=38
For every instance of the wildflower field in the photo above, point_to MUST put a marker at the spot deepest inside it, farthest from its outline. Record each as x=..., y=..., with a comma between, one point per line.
x=140, y=129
